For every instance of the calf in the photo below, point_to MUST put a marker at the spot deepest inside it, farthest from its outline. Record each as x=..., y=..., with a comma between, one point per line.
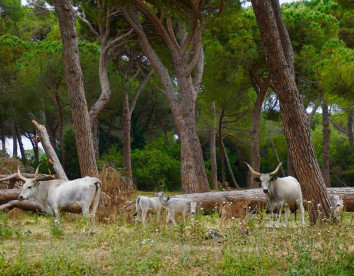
x=227, y=211
x=280, y=192
x=54, y=195
x=180, y=205
x=337, y=204
x=146, y=204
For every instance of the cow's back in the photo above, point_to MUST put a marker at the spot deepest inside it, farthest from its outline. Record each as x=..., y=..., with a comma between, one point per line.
x=288, y=188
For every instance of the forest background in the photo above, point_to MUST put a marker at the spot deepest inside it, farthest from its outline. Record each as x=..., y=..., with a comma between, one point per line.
x=33, y=86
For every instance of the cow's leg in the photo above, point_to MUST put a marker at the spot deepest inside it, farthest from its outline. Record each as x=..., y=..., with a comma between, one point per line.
x=86, y=213
x=287, y=215
x=143, y=216
x=271, y=209
x=173, y=218
x=168, y=217
x=280, y=208
x=56, y=216
x=302, y=211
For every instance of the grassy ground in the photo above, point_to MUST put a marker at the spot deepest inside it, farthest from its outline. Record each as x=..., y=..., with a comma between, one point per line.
x=32, y=246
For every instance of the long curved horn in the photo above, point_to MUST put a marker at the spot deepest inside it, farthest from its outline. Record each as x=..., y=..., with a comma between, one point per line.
x=36, y=173
x=20, y=175
x=252, y=170
x=277, y=169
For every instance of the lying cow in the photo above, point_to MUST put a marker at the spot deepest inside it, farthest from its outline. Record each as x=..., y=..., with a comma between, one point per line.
x=280, y=192
x=54, y=195
x=228, y=211
x=145, y=205
x=180, y=206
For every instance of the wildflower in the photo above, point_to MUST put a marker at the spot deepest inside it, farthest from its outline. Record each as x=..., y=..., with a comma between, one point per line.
x=319, y=204
x=157, y=230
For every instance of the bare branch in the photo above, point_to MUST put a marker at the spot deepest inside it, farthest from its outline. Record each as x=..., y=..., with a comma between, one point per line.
x=88, y=23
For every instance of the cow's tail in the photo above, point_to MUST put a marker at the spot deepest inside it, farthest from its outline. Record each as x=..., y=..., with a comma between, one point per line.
x=138, y=207
x=97, y=197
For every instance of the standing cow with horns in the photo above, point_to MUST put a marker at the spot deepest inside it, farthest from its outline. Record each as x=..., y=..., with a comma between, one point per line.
x=280, y=193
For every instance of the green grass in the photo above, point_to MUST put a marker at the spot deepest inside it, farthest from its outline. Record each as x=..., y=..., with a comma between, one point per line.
x=31, y=246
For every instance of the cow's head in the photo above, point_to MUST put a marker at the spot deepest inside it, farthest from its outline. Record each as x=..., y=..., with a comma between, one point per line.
x=193, y=207
x=264, y=179
x=30, y=187
x=337, y=203
x=161, y=197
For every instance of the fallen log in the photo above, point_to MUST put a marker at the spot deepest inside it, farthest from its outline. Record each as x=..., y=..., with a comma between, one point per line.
x=15, y=176
x=208, y=201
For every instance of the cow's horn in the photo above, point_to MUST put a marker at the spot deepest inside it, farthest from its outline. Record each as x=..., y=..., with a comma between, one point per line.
x=36, y=173
x=252, y=170
x=277, y=169
x=20, y=175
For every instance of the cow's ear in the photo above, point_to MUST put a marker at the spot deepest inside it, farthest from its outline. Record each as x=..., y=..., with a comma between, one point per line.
x=36, y=184
x=257, y=179
x=273, y=178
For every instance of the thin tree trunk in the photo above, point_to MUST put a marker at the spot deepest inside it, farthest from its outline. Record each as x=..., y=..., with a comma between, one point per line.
x=289, y=164
x=60, y=128
x=212, y=143
x=351, y=130
x=276, y=155
x=229, y=166
x=22, y=150
x=326, y=144
x=278, y=51
x=81, y=121
x=221, y=153
x=14, y=138
x=126, y=136
x=3, y=139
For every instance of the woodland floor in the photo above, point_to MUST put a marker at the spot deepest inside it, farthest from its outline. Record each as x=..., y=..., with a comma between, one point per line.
x=30, y=245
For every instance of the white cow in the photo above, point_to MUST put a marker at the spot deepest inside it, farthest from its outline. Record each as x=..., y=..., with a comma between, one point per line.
x=146, y=204
x=54, y=195
x=180, y=205
x=279, y=192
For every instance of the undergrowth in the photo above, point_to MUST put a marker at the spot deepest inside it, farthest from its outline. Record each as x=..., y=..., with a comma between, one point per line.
x=30, y=246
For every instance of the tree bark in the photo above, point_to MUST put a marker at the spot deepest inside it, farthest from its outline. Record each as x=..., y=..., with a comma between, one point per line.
x=289, y=164
x=74, y=79
x=187, y=55
x=229, y=166
x=61, y=127
x=278, y=51
x=326, y=144
x=351, y=130
x=212, y=143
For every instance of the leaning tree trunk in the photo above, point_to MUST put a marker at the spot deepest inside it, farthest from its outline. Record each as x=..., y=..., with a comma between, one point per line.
x=229, y=166
x=22, y=149
x=221, y=153
x=14, y=138
x=212, y=143
x=326, y=144
x=67, y=15
x=279, y=55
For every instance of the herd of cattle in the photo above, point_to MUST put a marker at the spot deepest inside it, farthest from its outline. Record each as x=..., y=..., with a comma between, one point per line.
x=54, y=195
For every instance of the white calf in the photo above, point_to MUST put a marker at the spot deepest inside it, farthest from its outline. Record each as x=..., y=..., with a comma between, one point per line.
x=146, y=204
x=180, y=205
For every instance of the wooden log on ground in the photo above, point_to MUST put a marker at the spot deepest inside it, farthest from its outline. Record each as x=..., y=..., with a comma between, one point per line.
x=208, y=201
x=9, y=194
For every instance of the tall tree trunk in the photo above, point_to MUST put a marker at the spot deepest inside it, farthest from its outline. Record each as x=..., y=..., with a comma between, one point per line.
x=22, y=150
x=279, y=56
x=188, y=58
x=212, y=144
x=351, y=130
x=221, y=152
x=126, y=136
x=81, y=121
x=229, y=166
x=14, y=138
x=326, y=144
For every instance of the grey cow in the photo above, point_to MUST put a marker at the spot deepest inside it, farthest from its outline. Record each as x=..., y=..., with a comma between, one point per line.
x=54, y=195
x=146, y=204
x=180, y=205
x=280, y=193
